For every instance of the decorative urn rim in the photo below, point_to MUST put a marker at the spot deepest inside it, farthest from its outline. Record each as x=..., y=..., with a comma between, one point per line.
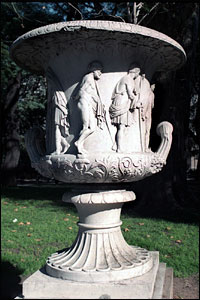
x=129, y=33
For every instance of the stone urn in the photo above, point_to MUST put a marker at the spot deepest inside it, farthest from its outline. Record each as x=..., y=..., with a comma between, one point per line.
x=99, y=107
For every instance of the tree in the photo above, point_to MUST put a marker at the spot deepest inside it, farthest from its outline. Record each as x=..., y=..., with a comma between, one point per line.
x=11, y=141
x=23, y=94
x=169, y=190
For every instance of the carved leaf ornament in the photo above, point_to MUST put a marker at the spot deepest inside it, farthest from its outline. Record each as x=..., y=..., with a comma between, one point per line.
x=109, y=169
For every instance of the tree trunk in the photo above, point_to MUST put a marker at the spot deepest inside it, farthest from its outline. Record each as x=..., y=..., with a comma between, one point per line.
x=11, y=149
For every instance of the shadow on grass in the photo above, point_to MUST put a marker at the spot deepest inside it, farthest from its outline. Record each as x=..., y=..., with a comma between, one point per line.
x=38, y=193
x=160, y=200
x=54, y=193
x=181, y=215
x=34, y=192
x=10, y=281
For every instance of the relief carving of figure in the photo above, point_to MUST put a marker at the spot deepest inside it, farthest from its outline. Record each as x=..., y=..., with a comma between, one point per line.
x=57, y=116
x=124, y=99
x=89, y=104
x=148, y=117
x=132, y=103
x=144, y=104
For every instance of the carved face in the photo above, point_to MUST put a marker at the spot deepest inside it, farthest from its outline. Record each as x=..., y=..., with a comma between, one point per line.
x=134, y=72
x=97, y=74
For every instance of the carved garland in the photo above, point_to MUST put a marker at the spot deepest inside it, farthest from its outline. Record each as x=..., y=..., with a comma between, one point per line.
x=109, y=169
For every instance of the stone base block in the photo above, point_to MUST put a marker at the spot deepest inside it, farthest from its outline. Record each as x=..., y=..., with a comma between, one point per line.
x=148, y=286
x=168, y=284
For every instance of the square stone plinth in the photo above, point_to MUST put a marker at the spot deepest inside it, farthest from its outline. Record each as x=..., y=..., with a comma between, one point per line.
x=148, y=286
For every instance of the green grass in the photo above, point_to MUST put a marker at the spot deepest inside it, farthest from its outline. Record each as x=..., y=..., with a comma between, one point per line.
x=178, y=244
x=45, y=224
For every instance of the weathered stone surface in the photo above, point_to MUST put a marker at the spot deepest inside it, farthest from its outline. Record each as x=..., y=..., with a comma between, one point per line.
x=100, y=167
x=41, y=286
x=99, y=253
x=100, y=96
x=99, y=106
x=160, y=278
x=80, y=35
x=168, y=284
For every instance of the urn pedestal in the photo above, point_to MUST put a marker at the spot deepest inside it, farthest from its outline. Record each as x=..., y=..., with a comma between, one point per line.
x=101, y=81
x=99, y=253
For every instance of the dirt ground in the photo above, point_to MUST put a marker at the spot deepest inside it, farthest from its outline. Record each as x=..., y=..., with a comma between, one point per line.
x=186, y=288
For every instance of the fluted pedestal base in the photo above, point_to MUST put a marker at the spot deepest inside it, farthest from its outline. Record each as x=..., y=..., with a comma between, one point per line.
x=99, y=253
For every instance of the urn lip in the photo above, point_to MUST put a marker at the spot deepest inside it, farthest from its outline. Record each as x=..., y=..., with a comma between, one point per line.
x=30, y=57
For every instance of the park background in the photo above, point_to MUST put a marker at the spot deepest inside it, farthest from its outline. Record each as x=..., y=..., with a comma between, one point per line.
x=164, y=216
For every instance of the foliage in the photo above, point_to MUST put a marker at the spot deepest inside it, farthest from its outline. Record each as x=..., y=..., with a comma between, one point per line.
x=16, y=19
x=32, y=102
x=193, y=142
x=31, y=214
x=19, y=17
x=8, y=68
x=32, y=98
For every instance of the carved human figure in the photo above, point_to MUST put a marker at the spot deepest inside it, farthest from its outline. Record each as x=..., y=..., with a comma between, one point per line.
x=148, y=116
x=89, y=104
x=57, y=116
x=124, y=99
x=144, y=104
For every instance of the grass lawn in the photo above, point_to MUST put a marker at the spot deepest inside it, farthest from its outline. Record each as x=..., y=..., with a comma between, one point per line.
x=35, y=223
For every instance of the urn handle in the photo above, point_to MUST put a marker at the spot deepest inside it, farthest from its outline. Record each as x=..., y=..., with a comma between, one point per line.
x=164, y=130
x=35, y=143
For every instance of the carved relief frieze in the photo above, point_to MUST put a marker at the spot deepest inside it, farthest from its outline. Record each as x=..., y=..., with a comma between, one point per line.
x=57, y=124
x=89, y=104
x=107, y=103
x=132, y=103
